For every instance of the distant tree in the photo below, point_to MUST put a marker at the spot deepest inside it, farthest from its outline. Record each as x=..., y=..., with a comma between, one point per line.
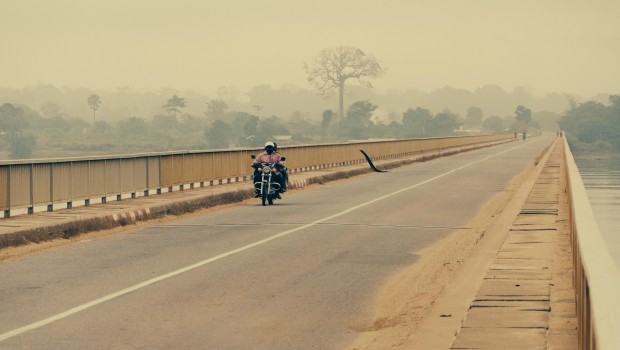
x=572, y=102
x=165, y=123
x=94, y=102
x=334, y=66
x=132, y=128
x=358, y=120
x=219, y=134
x=190, y=124
x=445, y=123
x=523, y=114
x=102, y=127
x=587, y=123
x=12, y=122
x=216, y=109
x=50, y=110
x=416, y=122
x=12, y=130
x=245, y=126
x=174, y=105
x=474, y=116
x=328, y=115
x=270, y=127
x=493, y=124
x=59, y=124
x=303, y=130
x=21, y=146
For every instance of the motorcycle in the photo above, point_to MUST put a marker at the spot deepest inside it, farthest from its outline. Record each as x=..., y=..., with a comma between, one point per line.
x=268, y=189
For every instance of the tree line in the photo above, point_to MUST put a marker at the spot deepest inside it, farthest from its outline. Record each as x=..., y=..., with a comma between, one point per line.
x=25, y=133
x=593, y=126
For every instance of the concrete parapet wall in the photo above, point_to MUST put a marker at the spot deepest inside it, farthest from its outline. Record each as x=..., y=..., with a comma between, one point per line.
x=596, y=276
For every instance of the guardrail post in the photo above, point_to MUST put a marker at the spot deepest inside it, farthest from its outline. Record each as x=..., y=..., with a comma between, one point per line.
x=7, y=212
x=70, y=202
x=120, y=179
x=31, y=207
x=89, y=176
x=159, y=165
x=104, y=199
x=50, y=207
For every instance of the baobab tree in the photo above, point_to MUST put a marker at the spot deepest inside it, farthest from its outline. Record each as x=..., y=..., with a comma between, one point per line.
x=332, y=67
x=94, y=102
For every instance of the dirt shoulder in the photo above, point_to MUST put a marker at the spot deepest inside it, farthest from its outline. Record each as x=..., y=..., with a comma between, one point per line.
x=404, y=303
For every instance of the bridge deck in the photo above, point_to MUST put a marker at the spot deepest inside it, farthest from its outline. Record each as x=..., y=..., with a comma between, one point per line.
x=526, y=300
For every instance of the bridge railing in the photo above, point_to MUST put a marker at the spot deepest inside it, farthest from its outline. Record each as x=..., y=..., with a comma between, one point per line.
x=596, y=276
x=38, y=183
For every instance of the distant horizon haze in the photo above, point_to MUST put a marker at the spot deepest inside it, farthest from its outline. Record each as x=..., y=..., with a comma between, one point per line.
x=563, y=46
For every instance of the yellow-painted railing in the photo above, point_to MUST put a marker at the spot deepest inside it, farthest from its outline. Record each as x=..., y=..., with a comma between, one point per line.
x=596, y=276
x=35, y=183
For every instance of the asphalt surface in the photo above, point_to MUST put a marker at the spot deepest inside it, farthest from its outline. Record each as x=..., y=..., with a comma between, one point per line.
x=301, y=274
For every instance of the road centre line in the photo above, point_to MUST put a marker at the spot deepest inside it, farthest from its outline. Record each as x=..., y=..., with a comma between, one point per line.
x=77, y=309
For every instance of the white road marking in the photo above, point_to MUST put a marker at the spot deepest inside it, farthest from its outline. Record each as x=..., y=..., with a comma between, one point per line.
x=122, y=292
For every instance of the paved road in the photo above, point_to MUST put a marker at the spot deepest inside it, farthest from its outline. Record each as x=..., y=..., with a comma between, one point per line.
x=297, y=275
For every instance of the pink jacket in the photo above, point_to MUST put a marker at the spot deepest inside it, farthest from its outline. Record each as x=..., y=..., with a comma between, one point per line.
x=273, y=158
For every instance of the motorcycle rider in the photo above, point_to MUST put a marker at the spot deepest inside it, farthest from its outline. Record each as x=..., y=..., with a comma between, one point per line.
x=269, y=156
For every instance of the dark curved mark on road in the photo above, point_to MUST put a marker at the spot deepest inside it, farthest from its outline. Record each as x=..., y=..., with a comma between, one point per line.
x=372, y=165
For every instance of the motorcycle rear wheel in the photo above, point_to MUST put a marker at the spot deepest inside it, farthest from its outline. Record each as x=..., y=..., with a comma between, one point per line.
x=270, y=201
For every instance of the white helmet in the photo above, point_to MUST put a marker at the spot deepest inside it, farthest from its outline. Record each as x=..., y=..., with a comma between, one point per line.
x=269, y=143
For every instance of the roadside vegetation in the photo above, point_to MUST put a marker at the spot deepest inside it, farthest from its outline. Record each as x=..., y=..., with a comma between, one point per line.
x=25, y=133
x=593, y=126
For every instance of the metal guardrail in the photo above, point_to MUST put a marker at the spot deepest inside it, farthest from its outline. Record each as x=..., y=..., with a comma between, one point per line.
x=35, y=183
x=596, y=276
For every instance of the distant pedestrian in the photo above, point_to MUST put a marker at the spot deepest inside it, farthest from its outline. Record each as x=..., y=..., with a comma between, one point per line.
x=524, y=135
x=515, y=134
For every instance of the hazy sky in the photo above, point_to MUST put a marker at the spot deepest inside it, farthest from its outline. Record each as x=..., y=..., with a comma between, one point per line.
x=546, y=45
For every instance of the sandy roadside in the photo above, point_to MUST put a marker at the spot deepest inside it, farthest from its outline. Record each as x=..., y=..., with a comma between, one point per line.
x=404, y=302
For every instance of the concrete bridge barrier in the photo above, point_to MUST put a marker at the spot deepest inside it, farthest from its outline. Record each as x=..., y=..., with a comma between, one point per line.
x=596, y=276
x=39, y=183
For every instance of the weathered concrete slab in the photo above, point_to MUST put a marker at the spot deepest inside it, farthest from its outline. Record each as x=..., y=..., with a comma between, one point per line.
x=518, y=274
x=567, y=323
x=526, y=251
x=530, y=237
x=527, y=305
x=505, y=318
x=536, y=220
x=565, y=295
x=535, y=248
x=503, y=338
x=560, y=341
x=521, y=264
x=513, y=288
